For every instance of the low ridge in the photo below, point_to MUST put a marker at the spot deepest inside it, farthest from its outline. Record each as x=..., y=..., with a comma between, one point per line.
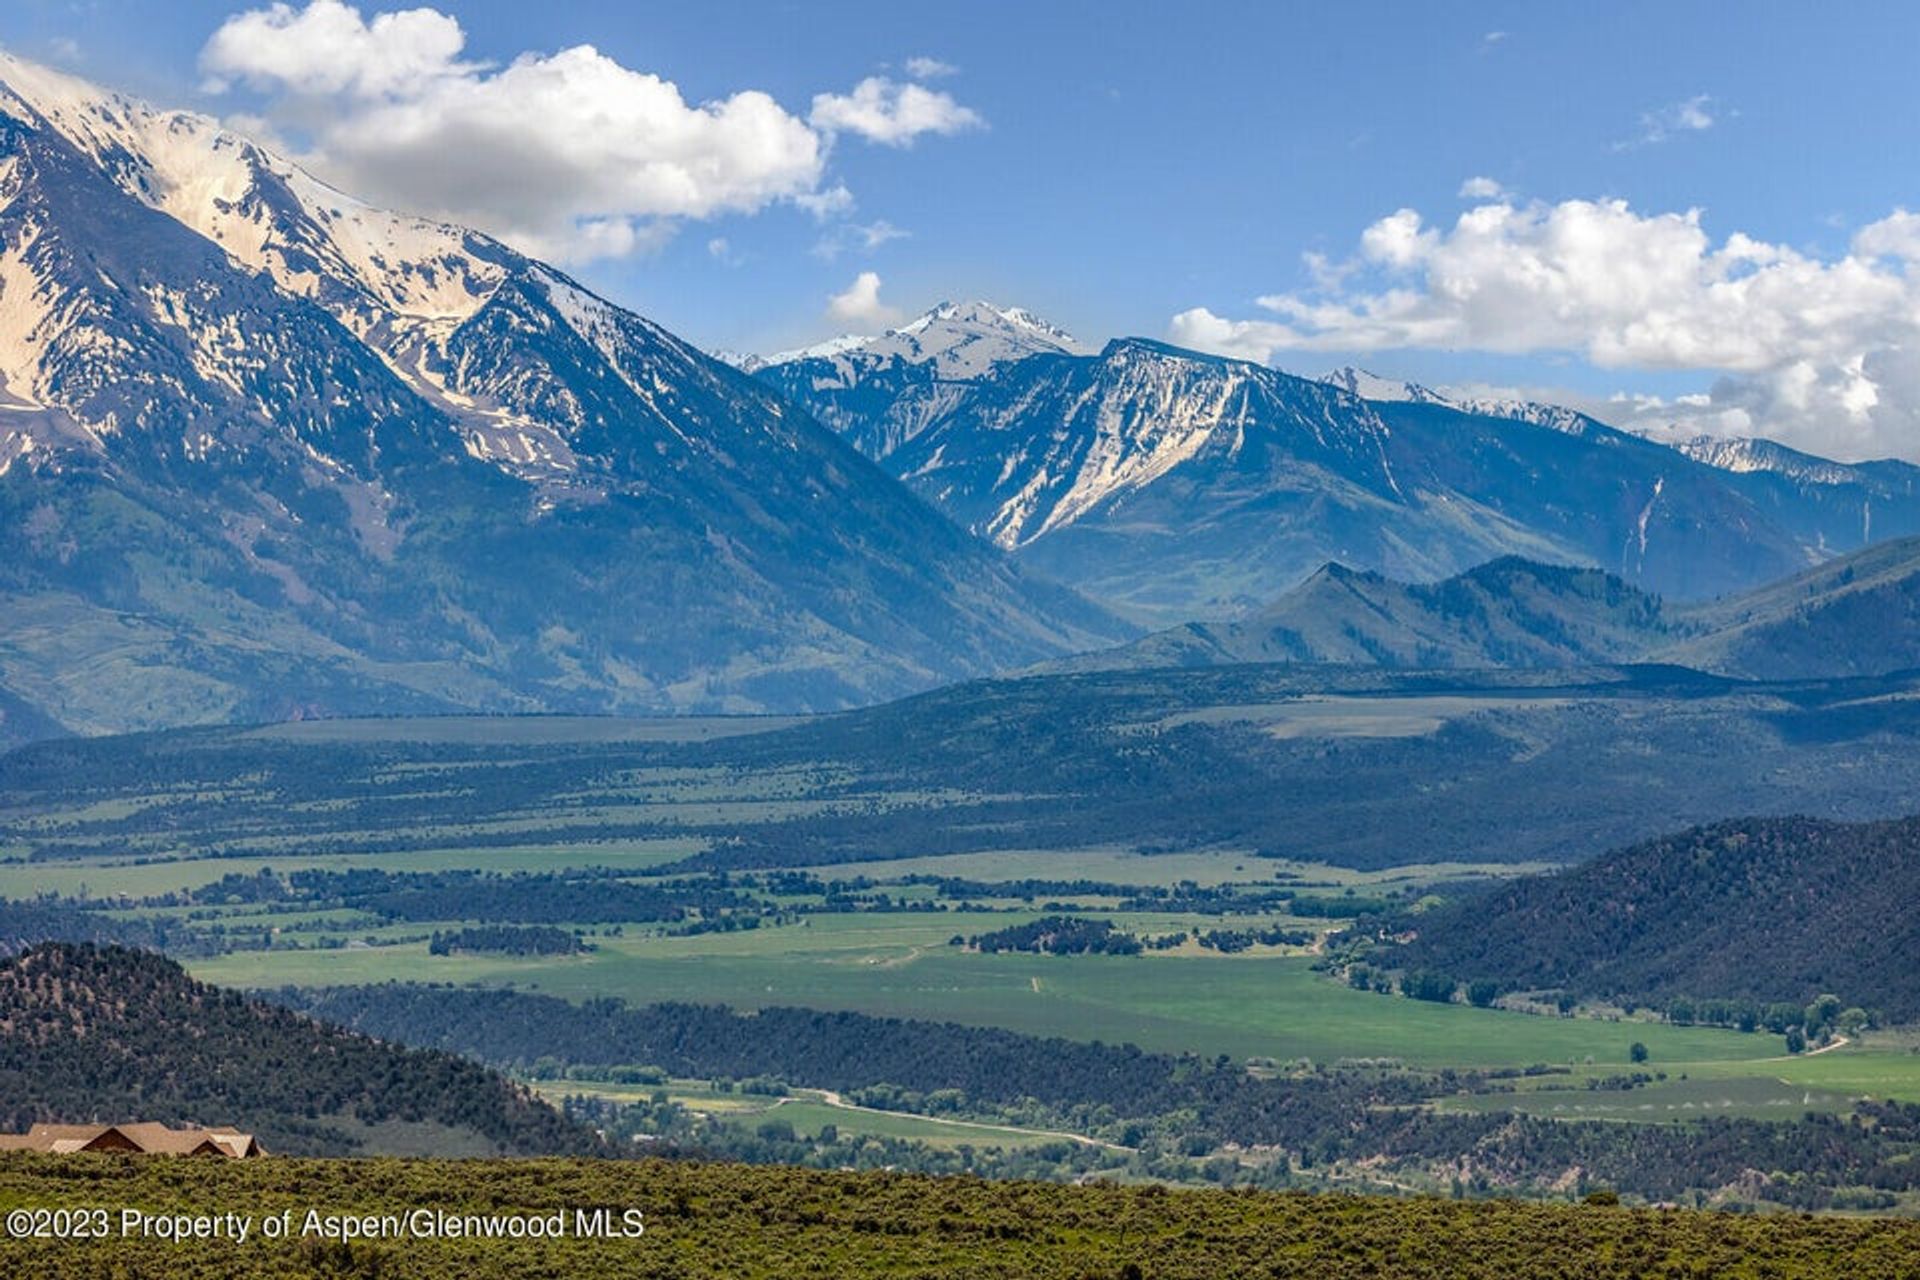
x=102, y=1034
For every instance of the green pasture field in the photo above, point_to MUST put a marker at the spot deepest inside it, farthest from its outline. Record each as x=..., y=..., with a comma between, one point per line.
x=809, y=1116
x=695, y=1095
x=808, y=1111
x=1672, y=1100
x=899, y=965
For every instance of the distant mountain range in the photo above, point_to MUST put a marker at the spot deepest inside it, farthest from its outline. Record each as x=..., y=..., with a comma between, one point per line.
x=1856, y=615
x=1172, y=485
x=266, y=451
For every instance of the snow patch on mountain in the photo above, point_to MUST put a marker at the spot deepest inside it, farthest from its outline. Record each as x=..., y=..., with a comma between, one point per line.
x=265, y=211
x=1741, y=454
x=1371, y=386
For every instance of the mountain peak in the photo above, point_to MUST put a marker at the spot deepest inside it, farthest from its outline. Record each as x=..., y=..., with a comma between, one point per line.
x=954, y=340
x=986, y=315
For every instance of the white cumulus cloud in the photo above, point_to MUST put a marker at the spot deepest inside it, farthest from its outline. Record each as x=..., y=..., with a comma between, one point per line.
x=568, y=154
x=1821, y=351
x=859, y=305
x=892, y=113
x=1482, y=189
x=329, y=48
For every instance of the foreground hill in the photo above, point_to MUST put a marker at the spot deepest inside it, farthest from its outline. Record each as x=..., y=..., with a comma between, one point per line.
x=1858, y=614
x=266, y=451
x=715, y=1221
x=1765, y=910
x=110, y=1034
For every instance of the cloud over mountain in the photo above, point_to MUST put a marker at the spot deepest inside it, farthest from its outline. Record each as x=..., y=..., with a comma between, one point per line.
x=568, y=154
x=1823, y=352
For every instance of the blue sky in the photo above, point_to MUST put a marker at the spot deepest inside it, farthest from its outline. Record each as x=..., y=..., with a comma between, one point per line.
x=1126, y=164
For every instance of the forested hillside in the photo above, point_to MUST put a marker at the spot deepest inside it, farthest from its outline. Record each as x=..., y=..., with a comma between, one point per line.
x=1162, y=1106
x=1781, y=909
x=108, y=1034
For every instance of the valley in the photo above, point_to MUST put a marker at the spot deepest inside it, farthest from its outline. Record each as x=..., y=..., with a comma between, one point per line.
x=322, y=863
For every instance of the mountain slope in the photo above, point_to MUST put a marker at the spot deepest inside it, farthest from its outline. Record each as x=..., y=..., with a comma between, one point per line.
x=1173, y=485
x=1505, y=613
x=1855, y=615
x=1828, y=507
x=264, y=450
x=1762, y=909
x=1831, y=505
x=1371, y=386
x=107, y=1034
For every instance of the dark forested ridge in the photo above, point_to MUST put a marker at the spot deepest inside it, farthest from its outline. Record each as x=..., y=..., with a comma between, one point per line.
x=112, y=1034
x=1156, y=1103
x=1779, y=909
x=833, y=1050
x=22, y=924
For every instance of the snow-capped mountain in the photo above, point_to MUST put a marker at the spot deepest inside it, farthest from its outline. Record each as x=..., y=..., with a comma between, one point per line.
x=956, y=339
x=879, y=392
x=820, y=350
x=1084, y=434
x=1745, y=454
x=265, y=449
x=1174, y=485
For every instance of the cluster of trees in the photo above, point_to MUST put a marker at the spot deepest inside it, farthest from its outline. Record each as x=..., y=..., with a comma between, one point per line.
x=507, y=939
x=829, y=1050
x=1814, y=1023
x=114, y=1034
x=1059, y=936
x=1229, y=941
x=1800, y=1025
x=1423, y=984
